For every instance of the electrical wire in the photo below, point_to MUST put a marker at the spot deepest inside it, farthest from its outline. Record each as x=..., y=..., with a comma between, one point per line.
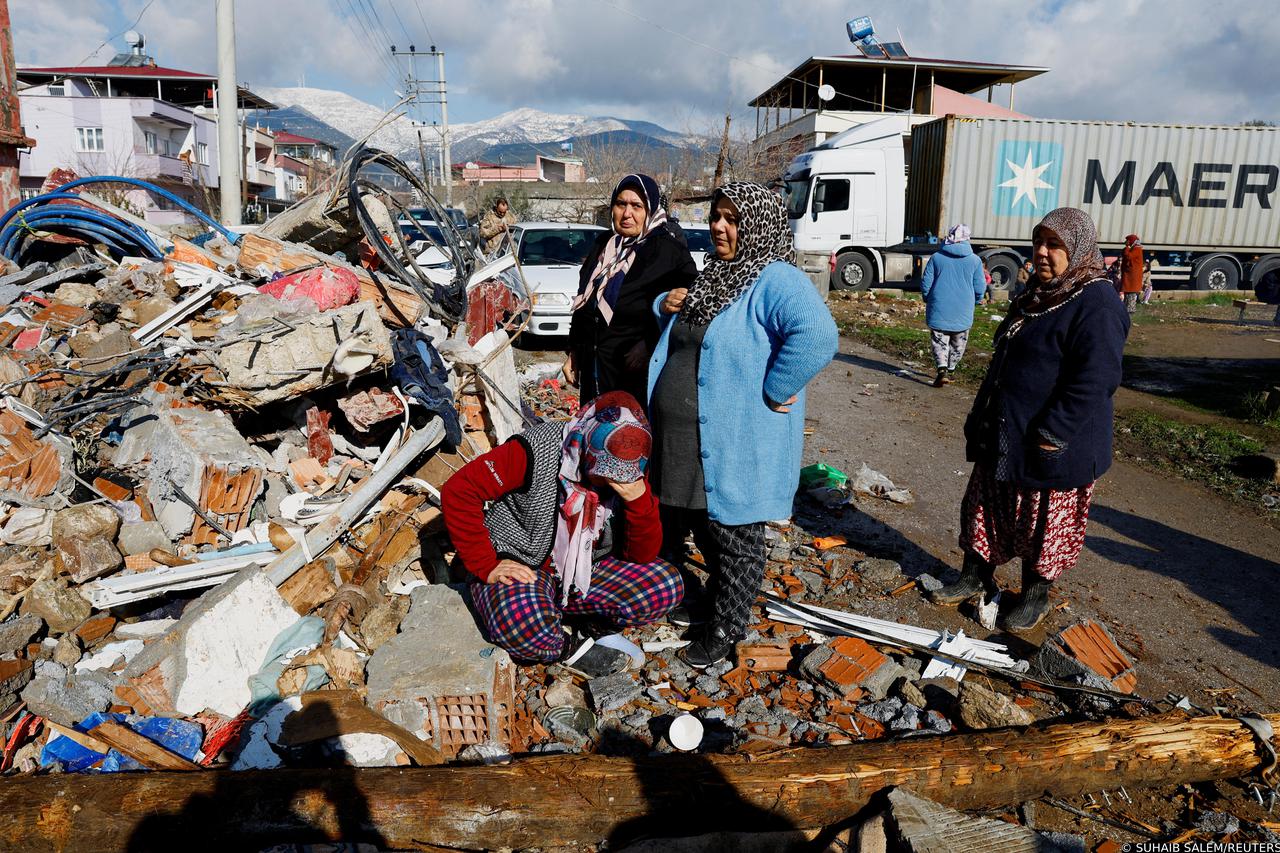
x=135, y=23
x=399, y=20
x=365, y=34
x=418, y=5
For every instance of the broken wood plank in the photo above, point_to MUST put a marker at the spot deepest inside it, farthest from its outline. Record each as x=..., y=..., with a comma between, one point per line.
x=521, y=804
x=141, y=749
x=329, y=713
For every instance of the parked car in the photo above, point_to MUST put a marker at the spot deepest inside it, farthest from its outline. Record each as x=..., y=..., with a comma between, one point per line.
x=551, y=256
x=698, y=234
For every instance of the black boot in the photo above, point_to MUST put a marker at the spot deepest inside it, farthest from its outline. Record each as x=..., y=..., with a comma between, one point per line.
x=1032, y=605
x=941, y=378
x=713, y=646
x=976, y=576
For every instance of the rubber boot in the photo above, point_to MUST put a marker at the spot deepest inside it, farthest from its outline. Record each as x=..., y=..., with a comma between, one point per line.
x=976, y=576
x=1032, y=604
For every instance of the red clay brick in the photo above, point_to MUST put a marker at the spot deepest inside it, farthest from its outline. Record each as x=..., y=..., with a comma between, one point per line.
x=1093, y=647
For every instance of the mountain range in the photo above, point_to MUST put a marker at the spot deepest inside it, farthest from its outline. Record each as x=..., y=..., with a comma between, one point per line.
x=513, y=137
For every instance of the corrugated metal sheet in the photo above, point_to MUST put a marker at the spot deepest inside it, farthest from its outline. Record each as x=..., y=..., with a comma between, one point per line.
x=1001, y=175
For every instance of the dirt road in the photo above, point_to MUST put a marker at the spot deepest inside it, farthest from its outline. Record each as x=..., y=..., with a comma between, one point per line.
x=1185, y=580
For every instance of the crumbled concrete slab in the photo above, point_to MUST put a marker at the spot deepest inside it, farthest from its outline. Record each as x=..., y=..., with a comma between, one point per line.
x=917, y=825
x=205, y=660
x=441, y=662
x=60, y=607
x=111, y=654
x=182, y=447
x=65, y=700
x=611, y=692
x=382, y=622
x=18, y=631
x=144, y=630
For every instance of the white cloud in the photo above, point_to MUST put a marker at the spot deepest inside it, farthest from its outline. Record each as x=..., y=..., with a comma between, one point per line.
x=1165, y=60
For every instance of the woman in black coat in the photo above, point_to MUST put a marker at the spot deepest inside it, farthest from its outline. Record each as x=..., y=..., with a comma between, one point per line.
x=614, y=329
x=1040, y=431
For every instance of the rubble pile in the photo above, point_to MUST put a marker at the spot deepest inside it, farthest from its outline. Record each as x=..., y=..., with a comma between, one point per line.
x=222, y=546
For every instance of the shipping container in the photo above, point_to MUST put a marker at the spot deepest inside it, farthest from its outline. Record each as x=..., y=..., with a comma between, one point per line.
x=1180, y=187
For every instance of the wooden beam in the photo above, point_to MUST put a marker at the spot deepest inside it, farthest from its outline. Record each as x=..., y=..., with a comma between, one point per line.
x=141, y=749
x=563, y=800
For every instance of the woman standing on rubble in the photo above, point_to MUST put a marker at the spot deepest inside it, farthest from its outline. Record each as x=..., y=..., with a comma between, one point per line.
x=614, y=331
x=1040, y=430
x=726, y=386
x=560, y=522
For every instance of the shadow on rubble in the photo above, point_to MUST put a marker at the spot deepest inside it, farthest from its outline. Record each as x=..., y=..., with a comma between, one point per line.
x=876, y=365
x=868, y=534
x=1241, y=584
x=688, y=795
x=256, y=809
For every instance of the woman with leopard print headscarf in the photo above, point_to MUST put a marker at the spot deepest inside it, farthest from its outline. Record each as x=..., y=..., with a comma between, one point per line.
x=726, y=391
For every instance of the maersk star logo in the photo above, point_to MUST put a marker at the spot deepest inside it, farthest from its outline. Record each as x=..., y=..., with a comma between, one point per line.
x=1028, y=175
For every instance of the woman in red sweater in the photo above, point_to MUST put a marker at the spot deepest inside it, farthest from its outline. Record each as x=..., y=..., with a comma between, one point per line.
x=560, y=521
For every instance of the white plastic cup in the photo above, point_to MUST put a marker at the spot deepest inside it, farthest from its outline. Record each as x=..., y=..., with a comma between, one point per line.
x=685, y=733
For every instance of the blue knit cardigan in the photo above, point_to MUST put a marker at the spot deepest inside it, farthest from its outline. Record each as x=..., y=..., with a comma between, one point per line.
x=768, y=344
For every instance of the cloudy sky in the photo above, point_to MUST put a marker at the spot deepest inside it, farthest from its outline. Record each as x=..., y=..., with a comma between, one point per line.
x=682, y=63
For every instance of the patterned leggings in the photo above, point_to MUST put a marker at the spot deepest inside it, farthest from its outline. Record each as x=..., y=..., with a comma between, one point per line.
x=525, y=618
x=948, y=347
x=735, y=556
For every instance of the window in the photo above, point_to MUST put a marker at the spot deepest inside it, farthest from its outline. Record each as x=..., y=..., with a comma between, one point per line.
x=831, y=195
x=89, y=139
x=797, y=192
x=28, y=194
x=202, y=153
x=153, y=146
x=58, y=89
x=558, y=246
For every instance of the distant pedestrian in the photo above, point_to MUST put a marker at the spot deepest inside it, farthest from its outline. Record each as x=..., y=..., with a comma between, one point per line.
x=1040, y=431
x=495, y=225
x=952, y=284
x=986, y=277
x=1131, y=269
x=1146, y=282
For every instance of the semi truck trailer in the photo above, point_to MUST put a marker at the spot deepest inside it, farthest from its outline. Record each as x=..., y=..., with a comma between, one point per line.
x=868, y=205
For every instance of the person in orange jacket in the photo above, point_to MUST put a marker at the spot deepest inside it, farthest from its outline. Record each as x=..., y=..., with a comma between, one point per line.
x=1131, y=272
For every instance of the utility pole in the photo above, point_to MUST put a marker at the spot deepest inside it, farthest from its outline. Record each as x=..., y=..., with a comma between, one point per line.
x=229, y=144
x=11, y=136
x=724, y=150
x=439, y=96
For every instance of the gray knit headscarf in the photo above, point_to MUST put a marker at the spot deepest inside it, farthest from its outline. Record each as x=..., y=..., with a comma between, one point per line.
x=763, y=237
x=1084, y=261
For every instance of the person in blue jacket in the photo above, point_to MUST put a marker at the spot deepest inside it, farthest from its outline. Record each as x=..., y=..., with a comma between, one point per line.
x=1040, y=431
x=726, y=398
x=952, y=284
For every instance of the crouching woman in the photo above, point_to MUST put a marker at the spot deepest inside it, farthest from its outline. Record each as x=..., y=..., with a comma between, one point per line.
x=559, y=522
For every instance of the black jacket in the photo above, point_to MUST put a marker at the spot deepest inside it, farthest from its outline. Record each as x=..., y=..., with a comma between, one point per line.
x=1052, y=382
x=600, y=350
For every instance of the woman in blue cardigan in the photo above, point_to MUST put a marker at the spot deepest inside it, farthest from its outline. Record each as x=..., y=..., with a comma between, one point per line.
x=726, y=392
x=1040, y=431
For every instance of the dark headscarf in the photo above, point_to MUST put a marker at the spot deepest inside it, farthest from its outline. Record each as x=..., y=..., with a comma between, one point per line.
x=1084, y=262
x=763, y=237
x=620, y=252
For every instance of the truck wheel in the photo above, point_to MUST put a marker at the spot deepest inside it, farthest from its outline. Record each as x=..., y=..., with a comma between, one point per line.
x=1217, y=274
x=1004, y=272
x=1266, y=285
x=853, y=272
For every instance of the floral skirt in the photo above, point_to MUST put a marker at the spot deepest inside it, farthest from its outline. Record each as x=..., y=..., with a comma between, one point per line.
x=1045, y=527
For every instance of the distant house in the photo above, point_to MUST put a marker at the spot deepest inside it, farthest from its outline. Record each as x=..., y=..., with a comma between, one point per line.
x=543, y=170
x=135, y=119
x=303, y=165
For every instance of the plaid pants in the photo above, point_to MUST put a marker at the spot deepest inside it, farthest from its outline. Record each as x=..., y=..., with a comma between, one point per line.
x=526, y=618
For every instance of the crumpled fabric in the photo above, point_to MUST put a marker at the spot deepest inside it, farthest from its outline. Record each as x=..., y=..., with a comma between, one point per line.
x=300, y=637
x=421, y=375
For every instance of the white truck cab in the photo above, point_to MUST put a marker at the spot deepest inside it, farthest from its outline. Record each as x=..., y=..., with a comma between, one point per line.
x=845, y=201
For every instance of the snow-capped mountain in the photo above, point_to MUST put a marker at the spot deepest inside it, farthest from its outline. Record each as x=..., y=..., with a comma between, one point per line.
x=527, y=126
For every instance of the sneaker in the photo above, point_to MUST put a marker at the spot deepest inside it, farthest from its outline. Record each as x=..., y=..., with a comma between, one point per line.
x=941, y=378
x=592, y=660
x=712, y=647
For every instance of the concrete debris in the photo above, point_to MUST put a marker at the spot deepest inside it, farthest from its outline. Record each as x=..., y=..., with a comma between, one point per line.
x=17, y=631
x=60, y=607
x=84, y=538
x=611, y=692
x=983, y=708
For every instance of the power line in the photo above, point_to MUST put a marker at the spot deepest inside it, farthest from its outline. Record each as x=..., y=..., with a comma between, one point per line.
x=135, y=23
x=400, y=21
x=388, y=66
x=418, y=5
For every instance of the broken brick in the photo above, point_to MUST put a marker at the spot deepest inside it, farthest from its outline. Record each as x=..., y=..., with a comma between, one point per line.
x=1093, y=646
x=95, y=628
x=851, y=667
